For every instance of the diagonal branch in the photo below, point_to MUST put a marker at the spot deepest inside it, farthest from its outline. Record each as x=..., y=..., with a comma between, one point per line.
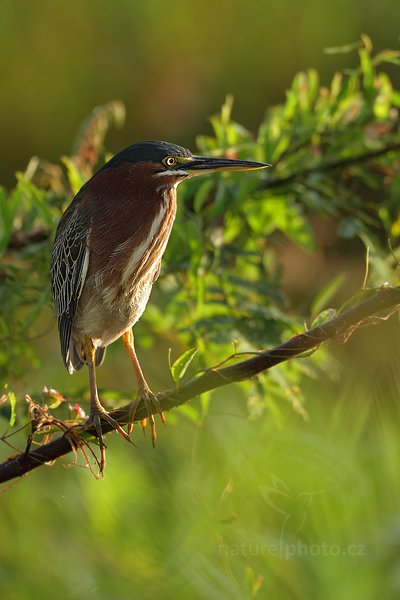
x=332, y=165
x=339, y=327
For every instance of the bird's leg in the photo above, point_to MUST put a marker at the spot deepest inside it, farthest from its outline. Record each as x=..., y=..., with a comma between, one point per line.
x=97, y=411
x=144, y=392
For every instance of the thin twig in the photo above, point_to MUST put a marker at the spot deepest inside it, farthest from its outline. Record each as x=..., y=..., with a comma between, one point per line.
x=342, y=163
x=340, y=327
x=22, y=239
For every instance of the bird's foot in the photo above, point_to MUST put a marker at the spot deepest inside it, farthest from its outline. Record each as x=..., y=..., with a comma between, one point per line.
x=97, y=415
x=152, y=405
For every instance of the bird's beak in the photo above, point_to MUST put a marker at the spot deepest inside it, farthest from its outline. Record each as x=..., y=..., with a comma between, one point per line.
x=203, y=164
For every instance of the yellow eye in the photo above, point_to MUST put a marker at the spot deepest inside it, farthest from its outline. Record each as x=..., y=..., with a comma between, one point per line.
x=170, y=161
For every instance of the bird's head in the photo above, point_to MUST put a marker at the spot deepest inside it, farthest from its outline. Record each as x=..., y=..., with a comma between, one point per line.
x=167, y=164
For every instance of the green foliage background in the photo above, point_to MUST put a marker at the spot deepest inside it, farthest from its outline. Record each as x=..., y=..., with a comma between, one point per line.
x=284, y=487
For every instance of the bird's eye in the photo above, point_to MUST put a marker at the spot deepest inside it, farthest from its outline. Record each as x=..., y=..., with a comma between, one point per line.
x=170, y=161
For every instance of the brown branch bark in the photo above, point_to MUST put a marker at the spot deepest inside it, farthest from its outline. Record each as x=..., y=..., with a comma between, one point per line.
x=333, y=165
x=338, y=327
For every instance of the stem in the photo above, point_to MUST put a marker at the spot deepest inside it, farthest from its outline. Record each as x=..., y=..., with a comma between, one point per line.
x=330, y=166
x=382, y=300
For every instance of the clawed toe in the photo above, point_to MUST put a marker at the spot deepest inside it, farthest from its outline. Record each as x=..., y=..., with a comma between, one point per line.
x=152, y=405
x=95, y=420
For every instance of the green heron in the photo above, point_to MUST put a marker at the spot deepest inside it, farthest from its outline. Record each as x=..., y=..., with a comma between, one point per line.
x=107, y=255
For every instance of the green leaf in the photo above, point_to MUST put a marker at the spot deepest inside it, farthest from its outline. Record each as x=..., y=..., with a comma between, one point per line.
x=13, y=404
x=180, y=366
x=75, y=177
x=324, y=317
x=327, y=292
x=345, y=49
x=280, y=213
x=36, y=199
x=367, y=67
x=281, y=147
x=383, y=100
x=349, y=227
x=202, y=194
x=5, y=220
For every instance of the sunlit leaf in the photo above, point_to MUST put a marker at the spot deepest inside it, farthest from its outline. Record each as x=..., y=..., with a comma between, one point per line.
x=324, y=317
x=326, y=293
x=75, y=177
x=182, y=363
x=13, y=404
x=345, y=49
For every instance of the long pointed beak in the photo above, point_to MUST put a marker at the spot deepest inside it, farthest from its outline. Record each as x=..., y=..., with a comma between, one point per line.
x=204, y=164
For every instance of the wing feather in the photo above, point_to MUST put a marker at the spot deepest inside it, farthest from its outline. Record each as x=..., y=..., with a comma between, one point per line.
x=69, y=265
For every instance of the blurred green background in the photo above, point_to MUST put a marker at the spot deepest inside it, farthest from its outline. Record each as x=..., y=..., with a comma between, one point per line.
x=232, y=507
x=171, y=64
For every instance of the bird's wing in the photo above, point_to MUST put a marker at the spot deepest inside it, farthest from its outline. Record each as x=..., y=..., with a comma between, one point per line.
x=69, y=265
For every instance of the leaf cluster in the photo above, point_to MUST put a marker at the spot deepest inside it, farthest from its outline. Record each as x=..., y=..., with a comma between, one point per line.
x=335, y=154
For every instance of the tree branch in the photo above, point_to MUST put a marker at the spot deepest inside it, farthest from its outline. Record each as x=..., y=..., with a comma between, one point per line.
x=341, y=163
x=22, y=239
x=339, y=327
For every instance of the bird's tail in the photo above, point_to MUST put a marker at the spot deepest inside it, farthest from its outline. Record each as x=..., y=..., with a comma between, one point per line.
x=75, y=361
x=100, y=354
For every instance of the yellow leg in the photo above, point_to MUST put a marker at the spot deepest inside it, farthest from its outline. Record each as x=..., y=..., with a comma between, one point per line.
x=97, y=411
x=144, y=392
x=129, y=344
